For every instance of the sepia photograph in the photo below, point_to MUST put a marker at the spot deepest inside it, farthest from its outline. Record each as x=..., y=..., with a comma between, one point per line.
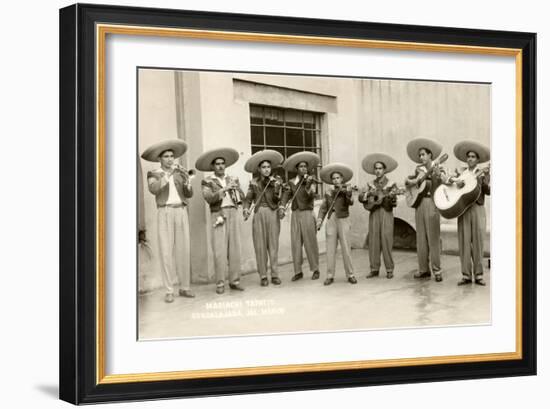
x=281, y=204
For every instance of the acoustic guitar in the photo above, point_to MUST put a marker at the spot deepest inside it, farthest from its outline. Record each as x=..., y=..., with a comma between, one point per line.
x=413, y=194
x=376, y=196
x=452, y=201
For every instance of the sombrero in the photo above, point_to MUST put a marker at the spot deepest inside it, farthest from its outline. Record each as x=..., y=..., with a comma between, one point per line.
x=204, y=162
x=274, y=157
x=416, y=144
x=312, y=160
x=462, y=148
x=329, y=169
x=153, y=152
x=370, y=160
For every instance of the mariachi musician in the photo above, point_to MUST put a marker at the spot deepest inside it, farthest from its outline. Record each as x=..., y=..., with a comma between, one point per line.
x=223, y=195
x=300, y=196
x=428, y=229
x=472, y=223
x=171, y=185
x=380, y=198
x=264, y=199
x=335, y=207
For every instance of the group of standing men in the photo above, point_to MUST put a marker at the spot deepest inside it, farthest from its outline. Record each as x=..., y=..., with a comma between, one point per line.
x=268, y=199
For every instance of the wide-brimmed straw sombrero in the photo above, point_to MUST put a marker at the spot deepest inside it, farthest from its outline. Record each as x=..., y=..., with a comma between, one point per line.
x=204, y=162
x=273, y=157
x=370, y=160
x=416, y=144
x=312, y=160
x=328, y=170
x=153, y=152
x=462, y=148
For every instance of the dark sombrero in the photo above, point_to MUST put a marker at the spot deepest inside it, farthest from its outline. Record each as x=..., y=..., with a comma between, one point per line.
x=370, y=160
x=416, y=144
x=462, y=148
x=312, y=160
x=328, y=170
x=153, y=152
x=204, y=162
x=273, y=157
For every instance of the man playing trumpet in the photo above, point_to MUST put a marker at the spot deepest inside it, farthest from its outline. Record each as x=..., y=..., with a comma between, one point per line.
x=300, y=196
x=171, y=185
x=224, y=195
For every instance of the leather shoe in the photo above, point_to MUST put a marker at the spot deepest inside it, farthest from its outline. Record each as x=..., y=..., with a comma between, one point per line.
x=480, y=281
x=389, y=274
x=438, y=277
x=220, y=290
x=169, y=298
x=276, y=280
x=236, y=287
x=425, y=274
x=315, y=275
x=328, y=281
x=298, y=276
x=352, y=280
x=264, y=282
x=373, y=274
x=186, y=294
x=464, y=281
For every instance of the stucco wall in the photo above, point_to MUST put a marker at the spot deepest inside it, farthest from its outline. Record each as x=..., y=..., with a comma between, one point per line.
x=361, y=116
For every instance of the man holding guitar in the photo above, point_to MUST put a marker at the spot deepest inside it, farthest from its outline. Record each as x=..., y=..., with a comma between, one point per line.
x=472, y=223
x=379, y=198
x=428, y=230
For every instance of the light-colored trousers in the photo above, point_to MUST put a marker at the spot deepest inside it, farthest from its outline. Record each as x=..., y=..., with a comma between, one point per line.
x=303, y=232
x=381, y=238
x=226, y=245
x=266, y=227
x=471, y=227
x=428, y=234
x=173, y=236
x=338, y=230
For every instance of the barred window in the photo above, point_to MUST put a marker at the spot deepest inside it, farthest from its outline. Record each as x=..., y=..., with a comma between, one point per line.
x=287, y=131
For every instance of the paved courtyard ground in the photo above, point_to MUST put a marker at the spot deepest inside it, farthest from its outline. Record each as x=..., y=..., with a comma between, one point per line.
x=308, y=306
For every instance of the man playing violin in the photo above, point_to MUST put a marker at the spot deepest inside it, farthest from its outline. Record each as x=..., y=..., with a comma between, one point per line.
x=264, y=191
x=472, y=223
x=171, y=186
x=428, y=228
x=335, y=207
x=300, y=196
x=380, y=199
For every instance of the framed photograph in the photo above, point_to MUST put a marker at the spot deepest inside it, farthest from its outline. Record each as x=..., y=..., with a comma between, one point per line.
x=257, y=203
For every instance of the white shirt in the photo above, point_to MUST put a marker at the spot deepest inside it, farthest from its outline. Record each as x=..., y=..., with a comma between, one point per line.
x=226, y=201
x=173, y=196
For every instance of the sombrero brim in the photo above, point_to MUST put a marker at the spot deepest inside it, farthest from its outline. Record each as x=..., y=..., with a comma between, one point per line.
x=204, y=162
x=370, y=160
x=461, y=150
x=312, y=160
x=416, y=144
x=329, y=169
x=153, y=152
x=274, y=157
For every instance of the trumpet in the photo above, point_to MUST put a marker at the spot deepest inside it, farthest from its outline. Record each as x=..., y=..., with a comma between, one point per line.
x=188, y=174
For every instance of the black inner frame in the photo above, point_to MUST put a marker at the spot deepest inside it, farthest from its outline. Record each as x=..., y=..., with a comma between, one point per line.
x=77, y=204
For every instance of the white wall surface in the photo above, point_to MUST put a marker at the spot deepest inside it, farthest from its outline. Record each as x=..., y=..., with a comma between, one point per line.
x=29, y=216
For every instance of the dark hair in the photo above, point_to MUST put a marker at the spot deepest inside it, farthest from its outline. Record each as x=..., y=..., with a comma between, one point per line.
x=166, y=150
x=380, y=162
x=477, y=154
x=302, y=161
x=265, y=160
x=215, y=159
x=340, y=173
x=427, y=151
